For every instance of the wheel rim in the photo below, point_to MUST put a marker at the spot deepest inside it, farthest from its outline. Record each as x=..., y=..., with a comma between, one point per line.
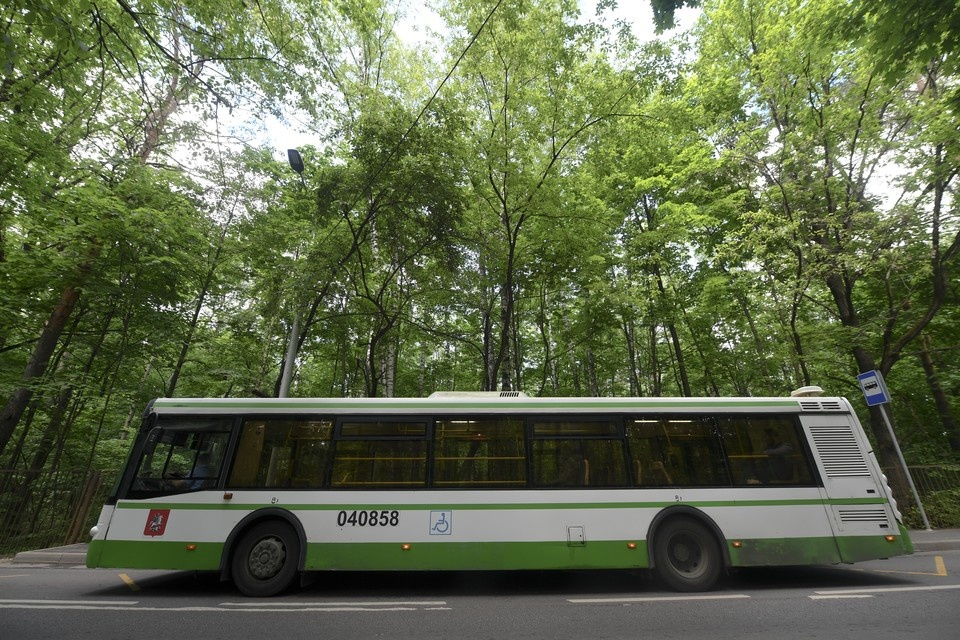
x=266, y=558
x=686, y=556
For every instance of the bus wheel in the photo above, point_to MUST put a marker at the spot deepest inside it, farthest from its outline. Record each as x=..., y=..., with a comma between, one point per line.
x=686, y=555
x=265, y=560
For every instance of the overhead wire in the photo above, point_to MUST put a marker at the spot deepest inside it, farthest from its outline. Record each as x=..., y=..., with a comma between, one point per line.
x=426, y=106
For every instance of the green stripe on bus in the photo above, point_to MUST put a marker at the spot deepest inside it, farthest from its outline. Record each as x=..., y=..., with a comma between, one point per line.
x=465, y=556
x=438, y=506
x=154, y=554
x=823, y=550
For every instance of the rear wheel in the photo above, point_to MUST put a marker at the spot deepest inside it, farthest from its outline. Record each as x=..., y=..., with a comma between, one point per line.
x=686, y=555
x=265, y=560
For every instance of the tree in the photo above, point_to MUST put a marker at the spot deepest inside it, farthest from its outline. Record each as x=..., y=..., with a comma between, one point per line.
x=142, y=66
x=535, y=93
x=819, y=124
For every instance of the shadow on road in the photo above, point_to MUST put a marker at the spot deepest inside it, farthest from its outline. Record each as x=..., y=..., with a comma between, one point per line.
x=348, y=585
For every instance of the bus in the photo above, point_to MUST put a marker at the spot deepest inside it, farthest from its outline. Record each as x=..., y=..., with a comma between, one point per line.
x=265, y=490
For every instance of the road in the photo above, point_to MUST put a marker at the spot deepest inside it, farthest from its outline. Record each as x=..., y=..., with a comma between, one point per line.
x=916, y=596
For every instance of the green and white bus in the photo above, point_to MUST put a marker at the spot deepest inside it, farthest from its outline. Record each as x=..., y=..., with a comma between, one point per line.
x=262, y=490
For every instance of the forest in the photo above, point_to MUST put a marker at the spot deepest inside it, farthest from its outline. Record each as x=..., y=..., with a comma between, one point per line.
x=521, y=195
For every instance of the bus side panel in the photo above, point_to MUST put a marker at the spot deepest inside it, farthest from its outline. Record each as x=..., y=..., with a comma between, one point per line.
x=857, y=500
x=184, y=532
x=469, y=556
x=99, y=533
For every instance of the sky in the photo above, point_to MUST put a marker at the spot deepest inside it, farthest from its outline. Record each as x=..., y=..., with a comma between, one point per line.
x=420, y=20
x=637, y=12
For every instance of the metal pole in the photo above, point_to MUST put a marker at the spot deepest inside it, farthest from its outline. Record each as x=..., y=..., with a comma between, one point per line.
x=903, y=464
x=291, y=356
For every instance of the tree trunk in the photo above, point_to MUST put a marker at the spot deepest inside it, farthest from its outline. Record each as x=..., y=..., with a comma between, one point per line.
x=947, y=420
x=633, y=367
x=195, y=319
x=46, y=345
x=656, y=385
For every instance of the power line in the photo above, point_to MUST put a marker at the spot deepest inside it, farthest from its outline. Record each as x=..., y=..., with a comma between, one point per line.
x=426, y=105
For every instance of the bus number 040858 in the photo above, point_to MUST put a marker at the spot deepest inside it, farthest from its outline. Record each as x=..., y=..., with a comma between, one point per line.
x=368, y=518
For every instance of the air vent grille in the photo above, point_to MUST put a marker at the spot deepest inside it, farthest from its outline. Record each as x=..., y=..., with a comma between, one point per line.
x=821, y=405
x=839, y=451
x=878, y=516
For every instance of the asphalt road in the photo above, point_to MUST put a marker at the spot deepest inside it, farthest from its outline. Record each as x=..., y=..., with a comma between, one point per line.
x=915, y=596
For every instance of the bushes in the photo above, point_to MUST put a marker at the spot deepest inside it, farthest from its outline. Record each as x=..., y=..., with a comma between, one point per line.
x=942, y=508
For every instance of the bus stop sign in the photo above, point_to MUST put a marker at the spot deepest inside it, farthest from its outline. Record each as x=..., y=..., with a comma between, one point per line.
x=874, y=388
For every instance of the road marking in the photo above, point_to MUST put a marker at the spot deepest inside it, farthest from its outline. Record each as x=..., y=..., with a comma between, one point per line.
x=654, y=599
x=65, y=605
x=127, y=580
x=941, y=569
x=72, y=602
x=17, y=575
x=841, y=597
x=940, y=587
x=399, y=603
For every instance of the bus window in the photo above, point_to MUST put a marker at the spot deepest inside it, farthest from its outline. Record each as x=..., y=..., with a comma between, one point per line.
x=282, y=453
x=676, y=452
x=380, y=455
x=485, y=452
x=764, y=450
x=186, y=455
x=578, y=454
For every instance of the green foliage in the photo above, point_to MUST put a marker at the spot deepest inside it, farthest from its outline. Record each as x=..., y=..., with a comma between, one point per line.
x=664, y=10
x=573, y=214
x=942, y=509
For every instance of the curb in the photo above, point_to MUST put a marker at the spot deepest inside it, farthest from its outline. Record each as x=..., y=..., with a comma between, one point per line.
x=70, y=556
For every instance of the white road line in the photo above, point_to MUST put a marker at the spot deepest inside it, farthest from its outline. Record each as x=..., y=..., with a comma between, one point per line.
x=399, y=603
x=232, y=607
x=888, y=590
x=306, y=609
x=841, y=597
x=106, y=603
x=655, y=599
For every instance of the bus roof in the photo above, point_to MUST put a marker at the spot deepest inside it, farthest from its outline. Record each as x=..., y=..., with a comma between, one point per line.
x=495, y=403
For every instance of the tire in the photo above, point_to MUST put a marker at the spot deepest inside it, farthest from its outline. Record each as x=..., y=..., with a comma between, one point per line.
x=265, y=560
x=686, y=555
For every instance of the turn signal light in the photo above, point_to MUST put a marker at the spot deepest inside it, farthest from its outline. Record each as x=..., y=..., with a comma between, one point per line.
x=890, y=538
x=191, y=547
x=406, y=547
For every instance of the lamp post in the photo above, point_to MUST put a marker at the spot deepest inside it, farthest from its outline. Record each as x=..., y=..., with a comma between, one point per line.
x=296, y=163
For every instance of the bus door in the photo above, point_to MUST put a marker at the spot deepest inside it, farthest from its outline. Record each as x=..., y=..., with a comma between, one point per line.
x=853, y=492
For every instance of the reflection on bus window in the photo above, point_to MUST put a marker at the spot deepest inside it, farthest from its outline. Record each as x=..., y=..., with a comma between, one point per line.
x=282, y=453
x=578, y=454
x=380, y=455
x=188, y=455
x=474, y=453
x=676, y=452
x=765, y=450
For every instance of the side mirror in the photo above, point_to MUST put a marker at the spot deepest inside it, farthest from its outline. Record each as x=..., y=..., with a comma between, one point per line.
x=152, y=438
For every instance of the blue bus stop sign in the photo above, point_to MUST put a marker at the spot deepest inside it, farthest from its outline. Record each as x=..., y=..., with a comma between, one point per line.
x=874, y=388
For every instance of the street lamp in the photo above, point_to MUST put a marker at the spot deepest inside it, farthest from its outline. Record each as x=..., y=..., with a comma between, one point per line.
x=296, y=163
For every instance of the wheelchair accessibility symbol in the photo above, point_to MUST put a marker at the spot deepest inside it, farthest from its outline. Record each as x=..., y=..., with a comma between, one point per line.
x=441, y=523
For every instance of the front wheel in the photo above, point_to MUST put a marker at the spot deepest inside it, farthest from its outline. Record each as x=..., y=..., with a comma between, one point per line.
x=686, y=555
x=265, y=560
